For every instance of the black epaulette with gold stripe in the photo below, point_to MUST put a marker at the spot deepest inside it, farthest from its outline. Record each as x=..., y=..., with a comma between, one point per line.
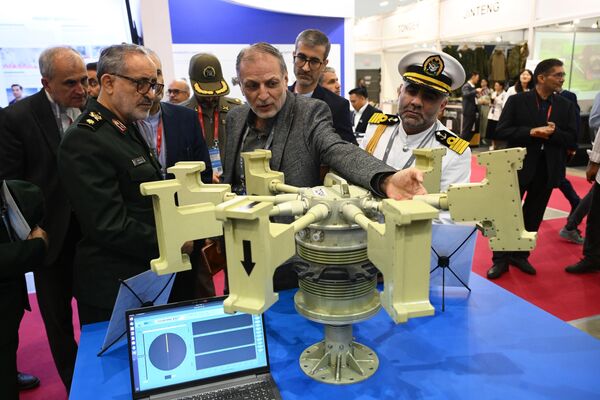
x=384, y=119
x=452, y=141
x=92, y=120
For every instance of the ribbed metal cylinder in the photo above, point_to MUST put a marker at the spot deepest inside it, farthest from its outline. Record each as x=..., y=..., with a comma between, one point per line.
x=336, y=290
x=327, y=256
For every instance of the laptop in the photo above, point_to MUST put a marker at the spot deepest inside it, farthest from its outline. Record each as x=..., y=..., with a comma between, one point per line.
x=194, y=350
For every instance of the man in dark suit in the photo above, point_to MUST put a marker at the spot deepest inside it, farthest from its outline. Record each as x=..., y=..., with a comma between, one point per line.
x=30, y=136
x=102, y=161
x=174, y=134
x=299, y=133
x=310, y=59
x=469, y=106
x=359, y=98
x=544, y=123
x=16, y=258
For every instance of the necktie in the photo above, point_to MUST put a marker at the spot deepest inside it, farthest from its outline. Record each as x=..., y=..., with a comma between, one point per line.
x=63, y=121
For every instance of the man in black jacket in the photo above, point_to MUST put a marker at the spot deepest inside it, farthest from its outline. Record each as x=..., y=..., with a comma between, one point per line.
x=359, y=98
x=16, y=258
x=469, y=106
x=544, y=123
x=30, y=135
x=310, y=59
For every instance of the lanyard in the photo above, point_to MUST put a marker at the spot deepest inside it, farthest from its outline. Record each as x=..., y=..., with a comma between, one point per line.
x=215, y=125
x=420, y=145
x=537, y=101
x=159, y=132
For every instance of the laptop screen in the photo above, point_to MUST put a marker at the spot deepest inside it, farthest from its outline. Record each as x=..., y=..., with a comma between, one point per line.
x=192, y=342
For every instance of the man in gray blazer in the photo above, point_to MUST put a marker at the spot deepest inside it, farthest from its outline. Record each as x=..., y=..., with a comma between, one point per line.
x=300, y=134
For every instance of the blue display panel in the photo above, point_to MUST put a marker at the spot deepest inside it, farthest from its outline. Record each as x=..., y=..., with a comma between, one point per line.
x=193, y=342
x=224, y=28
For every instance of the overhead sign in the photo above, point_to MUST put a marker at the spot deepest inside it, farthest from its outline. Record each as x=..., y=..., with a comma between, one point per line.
x=417, y=22
x=466, y=17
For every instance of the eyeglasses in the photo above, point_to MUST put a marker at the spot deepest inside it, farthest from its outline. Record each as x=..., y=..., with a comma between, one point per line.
x=176, y=92
x=300, y=60
x=143, y=85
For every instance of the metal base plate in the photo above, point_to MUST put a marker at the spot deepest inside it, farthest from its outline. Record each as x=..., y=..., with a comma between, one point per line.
x=360, y=363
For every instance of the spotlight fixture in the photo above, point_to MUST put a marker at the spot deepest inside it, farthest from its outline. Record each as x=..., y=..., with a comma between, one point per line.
x=595, y=25
x=383, y=3
x=498, y=39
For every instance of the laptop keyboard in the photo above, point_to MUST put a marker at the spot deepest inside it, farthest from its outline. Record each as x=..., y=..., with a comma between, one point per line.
x=252, y=391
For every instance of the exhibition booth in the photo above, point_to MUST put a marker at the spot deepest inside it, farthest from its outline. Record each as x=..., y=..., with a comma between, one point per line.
x=481, y=341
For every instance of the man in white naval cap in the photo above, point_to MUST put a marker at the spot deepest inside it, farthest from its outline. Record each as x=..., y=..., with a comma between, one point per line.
x=429, y=77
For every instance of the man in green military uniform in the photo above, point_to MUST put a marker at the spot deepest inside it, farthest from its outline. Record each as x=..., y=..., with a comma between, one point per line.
x=102, y=161
x=210, y=103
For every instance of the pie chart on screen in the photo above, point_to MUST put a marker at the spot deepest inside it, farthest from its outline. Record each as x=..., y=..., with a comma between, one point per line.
x=167, y=351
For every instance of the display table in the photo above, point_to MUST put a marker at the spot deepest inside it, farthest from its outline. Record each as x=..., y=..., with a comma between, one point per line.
x=489, y=345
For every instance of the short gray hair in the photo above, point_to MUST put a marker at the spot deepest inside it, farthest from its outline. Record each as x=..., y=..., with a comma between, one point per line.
x=313, y=38
x=327, y=69
x=261, y=47
x=112, y=58
x=48, y=57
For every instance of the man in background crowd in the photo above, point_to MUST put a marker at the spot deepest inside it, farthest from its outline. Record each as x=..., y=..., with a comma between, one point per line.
x=310, y=59
x=359, y=98
x=591, y=244
x=30, y=137
x=173, y=134
x=178, y=91
x=330, y=81
x=544, y=123
x=210, y=104
x=93, y=84
x=16, y=258
x=469, y=106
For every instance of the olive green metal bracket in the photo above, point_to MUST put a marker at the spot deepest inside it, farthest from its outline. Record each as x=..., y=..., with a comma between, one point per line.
x=192, y=218
x=255, y=247
x=401, y=248
x=495, y=201
x=260, y=179
x=430, y=162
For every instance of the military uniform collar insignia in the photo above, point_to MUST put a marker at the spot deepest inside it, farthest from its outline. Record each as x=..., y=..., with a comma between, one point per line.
x=120, y=126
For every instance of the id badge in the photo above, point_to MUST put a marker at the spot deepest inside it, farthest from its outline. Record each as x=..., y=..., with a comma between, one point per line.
x=215, y=160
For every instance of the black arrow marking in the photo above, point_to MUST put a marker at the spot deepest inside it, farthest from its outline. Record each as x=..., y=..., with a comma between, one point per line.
x=247, y=261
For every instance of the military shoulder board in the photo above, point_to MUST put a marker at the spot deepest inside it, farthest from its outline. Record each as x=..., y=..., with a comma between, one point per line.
x=92, y=120
x=384, y=119
x=452, y=141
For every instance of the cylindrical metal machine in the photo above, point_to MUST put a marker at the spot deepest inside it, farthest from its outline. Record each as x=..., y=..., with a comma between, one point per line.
x=337, y=287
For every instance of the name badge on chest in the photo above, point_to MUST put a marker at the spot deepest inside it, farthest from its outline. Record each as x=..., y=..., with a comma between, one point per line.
x=215, y=160
x=138, y=161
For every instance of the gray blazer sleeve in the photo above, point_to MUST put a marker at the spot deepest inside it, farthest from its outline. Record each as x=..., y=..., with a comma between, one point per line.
x=350, y=161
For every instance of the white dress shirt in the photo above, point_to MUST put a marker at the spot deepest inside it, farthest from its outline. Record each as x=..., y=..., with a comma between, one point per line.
x=456, y=168
x=66, y=115
x=357, y=115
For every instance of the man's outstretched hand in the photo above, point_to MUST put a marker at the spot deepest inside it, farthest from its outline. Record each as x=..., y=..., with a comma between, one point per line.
x=404, y=184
